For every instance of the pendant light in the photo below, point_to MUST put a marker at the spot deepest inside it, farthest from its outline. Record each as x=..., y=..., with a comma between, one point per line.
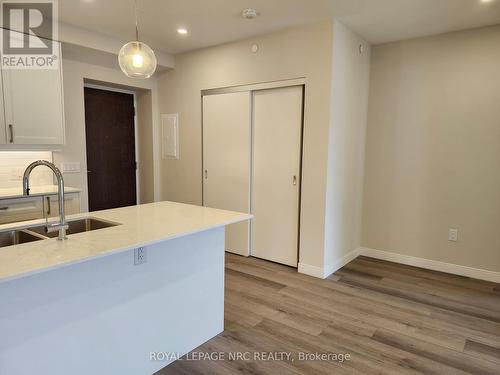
x=137, y=59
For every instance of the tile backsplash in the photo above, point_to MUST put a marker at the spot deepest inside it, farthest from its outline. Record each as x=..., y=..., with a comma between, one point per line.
x=13, y=164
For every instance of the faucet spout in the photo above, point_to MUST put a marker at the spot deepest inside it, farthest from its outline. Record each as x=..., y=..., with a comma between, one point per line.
x=62, y=226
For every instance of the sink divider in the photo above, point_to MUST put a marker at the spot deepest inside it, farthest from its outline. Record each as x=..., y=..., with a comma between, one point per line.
x=35, y=234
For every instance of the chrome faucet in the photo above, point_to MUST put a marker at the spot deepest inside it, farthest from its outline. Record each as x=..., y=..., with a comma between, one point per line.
x=62, y=226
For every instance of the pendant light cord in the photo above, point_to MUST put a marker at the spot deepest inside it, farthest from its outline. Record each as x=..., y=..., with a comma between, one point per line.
x=136, y=23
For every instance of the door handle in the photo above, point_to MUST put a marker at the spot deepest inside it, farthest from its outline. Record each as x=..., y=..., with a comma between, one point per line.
x=294, y=180
x=11, y=133
x=4, y=208
x=206, y=174
x=48, y=206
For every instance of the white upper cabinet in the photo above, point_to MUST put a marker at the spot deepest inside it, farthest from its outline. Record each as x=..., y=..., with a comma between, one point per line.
x=33, y=106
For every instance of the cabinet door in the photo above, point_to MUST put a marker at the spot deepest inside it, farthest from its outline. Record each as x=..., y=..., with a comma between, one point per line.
x=21, y=209
x=226, y=161
x=33, y=106
x=71, y=204
x=3, y=129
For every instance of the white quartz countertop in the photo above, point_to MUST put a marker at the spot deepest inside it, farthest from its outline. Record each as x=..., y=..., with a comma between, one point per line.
x=17, y=192
x=141, y=225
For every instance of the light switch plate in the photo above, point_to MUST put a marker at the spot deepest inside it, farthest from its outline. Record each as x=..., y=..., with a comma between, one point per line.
x=71, y=167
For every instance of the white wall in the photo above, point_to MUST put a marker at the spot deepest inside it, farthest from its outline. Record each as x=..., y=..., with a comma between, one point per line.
x=145, y=139
x=74, y=150
x=289, y=54
x=333, y=126
x=103, y=47
x=13, y=164
x=433, y=149
x=346, y=145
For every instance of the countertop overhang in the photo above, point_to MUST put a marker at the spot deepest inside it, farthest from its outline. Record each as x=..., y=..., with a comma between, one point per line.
x=139, y=226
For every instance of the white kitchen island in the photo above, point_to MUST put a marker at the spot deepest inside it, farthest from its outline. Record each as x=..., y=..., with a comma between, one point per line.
x=81, y=306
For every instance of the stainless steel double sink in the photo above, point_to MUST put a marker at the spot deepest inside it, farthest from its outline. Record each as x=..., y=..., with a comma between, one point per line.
x=38, y=232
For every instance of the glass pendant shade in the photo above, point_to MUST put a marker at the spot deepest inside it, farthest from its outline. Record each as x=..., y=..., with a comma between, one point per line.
x=137, y=60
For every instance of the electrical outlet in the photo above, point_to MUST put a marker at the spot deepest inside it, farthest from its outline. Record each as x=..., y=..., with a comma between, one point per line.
x=140, y=256
x=453, y=235
x=16, y=174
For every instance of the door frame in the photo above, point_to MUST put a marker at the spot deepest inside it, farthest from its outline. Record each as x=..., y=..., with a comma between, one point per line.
x=301, y=81
x=136, y=145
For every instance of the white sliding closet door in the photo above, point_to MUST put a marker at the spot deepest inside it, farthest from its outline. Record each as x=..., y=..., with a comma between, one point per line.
x=226, y=161
x=277, y=129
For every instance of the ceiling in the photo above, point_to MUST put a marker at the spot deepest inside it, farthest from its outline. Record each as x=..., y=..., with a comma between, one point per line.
x=212, y=22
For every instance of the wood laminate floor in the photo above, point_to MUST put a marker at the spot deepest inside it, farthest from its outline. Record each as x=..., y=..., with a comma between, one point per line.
x=390, y=318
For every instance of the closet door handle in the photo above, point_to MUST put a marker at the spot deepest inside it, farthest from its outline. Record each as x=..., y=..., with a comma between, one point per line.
x=206, y=174
x=294, y=180
x=11, y=133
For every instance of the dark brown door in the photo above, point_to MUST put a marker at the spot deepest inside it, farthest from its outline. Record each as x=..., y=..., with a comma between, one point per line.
x=111, y=164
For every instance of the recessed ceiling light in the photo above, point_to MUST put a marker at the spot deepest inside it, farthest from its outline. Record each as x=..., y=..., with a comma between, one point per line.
x=182, y=31
x=487, y=1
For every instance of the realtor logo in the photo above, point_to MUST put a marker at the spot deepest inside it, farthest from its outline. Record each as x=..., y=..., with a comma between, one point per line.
x=28, y=33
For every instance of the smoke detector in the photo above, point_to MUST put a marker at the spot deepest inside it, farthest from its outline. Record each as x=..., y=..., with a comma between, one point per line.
x=249, y=13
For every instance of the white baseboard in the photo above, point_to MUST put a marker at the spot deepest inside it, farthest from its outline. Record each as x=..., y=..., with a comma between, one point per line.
x=455, y=269
x=434, y=265
x=314, y=271
x=324, y=272
x=349, y=257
